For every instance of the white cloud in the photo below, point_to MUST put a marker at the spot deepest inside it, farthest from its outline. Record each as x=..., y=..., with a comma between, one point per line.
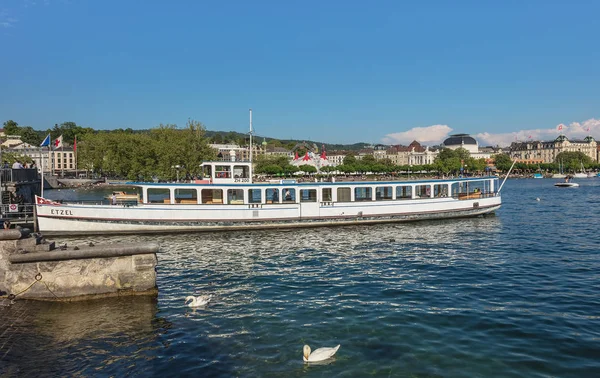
x=6, y=21
x=575, y=130
x=435, y=134
x=428, y=135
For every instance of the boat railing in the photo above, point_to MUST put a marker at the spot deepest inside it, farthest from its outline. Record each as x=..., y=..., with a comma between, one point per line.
x=18, y=175
x=17, y=213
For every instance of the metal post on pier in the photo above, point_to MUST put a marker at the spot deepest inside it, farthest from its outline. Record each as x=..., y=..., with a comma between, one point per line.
x=507, y=174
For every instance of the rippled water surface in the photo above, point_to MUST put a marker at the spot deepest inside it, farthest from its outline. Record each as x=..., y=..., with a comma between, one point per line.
x=516, y=294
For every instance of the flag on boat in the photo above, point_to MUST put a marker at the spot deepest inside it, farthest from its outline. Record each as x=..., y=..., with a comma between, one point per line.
x=75, y=144
x=46, y=141
x=58, y=142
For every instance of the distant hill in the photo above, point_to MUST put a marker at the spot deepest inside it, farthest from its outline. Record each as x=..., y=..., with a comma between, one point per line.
x=229, y=135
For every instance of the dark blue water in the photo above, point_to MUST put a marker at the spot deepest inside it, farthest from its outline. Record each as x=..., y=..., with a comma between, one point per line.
x=516, y=294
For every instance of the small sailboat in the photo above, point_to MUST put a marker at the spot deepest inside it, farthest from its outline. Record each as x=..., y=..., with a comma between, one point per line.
x=582, y=174
x=560, y=173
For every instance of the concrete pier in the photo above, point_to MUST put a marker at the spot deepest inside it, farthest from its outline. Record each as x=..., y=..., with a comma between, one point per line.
x=33, y=268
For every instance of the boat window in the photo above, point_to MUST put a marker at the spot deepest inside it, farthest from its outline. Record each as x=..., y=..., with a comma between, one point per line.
x=186, y=196
x=308, y=195
x=403, y=192
x=222, y=171
x=383, y=193
x=477, y=186
x=207, y=171
x=344, y=195
x=210, y=196
x=326, y=194
x=159, y=195
x=422, y=191
x=272, y=195
x=440, y=190
x=363, y=193
x=235, y=196
x=289, y=195
x=254, y=196
x=241, y=171
x=459, y=188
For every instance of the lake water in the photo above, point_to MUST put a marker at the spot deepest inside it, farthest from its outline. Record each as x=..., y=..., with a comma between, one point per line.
x=516, y=294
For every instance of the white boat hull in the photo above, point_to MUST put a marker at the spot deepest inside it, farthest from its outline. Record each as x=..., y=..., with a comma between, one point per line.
x=567, y=184
x=71, y=219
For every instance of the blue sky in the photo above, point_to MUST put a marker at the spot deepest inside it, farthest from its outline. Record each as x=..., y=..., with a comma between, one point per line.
x=333, y=71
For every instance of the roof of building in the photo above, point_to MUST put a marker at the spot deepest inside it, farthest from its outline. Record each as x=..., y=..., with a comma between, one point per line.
x=459, y=139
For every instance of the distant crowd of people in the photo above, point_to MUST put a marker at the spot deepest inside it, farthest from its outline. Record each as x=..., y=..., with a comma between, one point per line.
x=18, y=165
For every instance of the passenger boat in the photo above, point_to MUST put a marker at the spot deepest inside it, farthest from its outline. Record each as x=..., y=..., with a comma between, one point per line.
x=227, y=198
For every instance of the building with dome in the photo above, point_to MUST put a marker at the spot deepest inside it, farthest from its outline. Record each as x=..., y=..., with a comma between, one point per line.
x=468, y=143
x=462, y=141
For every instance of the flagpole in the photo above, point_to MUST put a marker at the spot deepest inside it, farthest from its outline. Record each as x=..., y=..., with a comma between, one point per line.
x=42, y=172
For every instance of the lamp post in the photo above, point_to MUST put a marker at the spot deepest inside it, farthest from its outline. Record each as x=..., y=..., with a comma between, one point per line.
x=177, y=167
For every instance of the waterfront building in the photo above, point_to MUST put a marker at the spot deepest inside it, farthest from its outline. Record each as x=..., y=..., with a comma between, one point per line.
x=279, y=151
x=63, y=160
x=413, y=154
x=241, y=153
x=536, y=152
x=40, y=156
x=11, y=140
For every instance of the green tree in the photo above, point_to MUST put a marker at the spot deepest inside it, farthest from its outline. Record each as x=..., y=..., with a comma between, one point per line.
x=11, y=128
x=349, y=159
x=502, y=162
x=573, y=160
x=308, y=168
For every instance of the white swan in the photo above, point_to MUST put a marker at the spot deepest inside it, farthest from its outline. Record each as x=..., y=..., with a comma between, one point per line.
x=319, y=354
x=199, y=301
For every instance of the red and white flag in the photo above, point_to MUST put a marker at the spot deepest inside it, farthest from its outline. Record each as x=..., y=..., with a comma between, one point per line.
x=560, y=127
x=43, y=201
x=58, y=142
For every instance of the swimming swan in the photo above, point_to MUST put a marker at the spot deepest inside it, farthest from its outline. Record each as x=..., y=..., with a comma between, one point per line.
x=202, y=300
x=319, y=354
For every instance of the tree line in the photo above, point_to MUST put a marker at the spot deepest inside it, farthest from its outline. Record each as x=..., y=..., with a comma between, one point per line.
x=128, y=154
x=154, y=154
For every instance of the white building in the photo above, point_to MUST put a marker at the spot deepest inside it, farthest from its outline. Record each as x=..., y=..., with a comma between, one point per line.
x=468, y=143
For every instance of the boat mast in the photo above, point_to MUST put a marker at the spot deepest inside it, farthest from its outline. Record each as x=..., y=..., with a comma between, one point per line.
x=250, y=137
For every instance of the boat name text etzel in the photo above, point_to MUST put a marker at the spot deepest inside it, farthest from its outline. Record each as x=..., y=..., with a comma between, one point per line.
x=60, y=212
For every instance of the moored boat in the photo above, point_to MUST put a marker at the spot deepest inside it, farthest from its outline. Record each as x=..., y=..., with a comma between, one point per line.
x=227, y=199
x=567, y=184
